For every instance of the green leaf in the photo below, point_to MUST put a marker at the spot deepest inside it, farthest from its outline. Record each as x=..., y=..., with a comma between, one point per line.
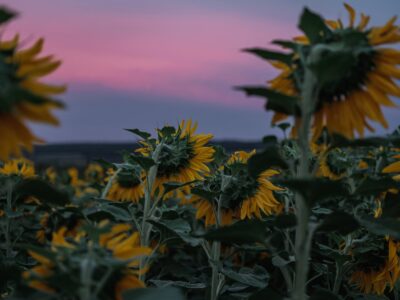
x=371, y=186
x=153, y=294
x=143, y=134
x=118, y=213
x=242, y=232
x=40, y=189
x=339, y=221
x=176, y=228
x=278, y=102
x=171, y=186
x=145, y=162
x=203, y=193
x=266, y=293
x=167, y=131
x=323, y=294
x=315, y=189
x=381, y=226
x=282, y=260
x=285, y=221
x=286, y=44
x=182, y=284
x=270, y=55
x=313, y=26
x=6, y=14
x=255, y=277
x=270, y=157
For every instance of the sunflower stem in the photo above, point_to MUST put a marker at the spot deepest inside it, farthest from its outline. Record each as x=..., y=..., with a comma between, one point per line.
x=216, y=279
x=303, y=231
x=147, y=211
x=8, y=222
x=87, y=266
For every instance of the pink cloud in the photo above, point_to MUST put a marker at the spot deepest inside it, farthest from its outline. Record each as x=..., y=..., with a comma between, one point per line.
x=193, y=55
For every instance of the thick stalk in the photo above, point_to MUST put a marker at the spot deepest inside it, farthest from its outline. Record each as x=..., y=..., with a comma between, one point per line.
x=8, y=222
x=215, y=256
x=303, y=233
x=87, y=266
x=146, y=227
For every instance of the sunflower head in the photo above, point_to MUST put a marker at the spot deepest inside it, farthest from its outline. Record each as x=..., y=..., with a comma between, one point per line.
x=108, y=249
x=127, y=186
x=377, y=269
x=334, y=164
x=94, y=173
x=355, y=74
x=238, y=194
x=18, y=167
x=24, y=97
x=183, y=155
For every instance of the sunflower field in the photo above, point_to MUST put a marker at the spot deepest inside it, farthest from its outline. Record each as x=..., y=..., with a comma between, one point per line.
x=315, y=215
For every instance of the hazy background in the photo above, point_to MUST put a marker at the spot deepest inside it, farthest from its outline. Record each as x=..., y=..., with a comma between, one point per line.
x=142, y=64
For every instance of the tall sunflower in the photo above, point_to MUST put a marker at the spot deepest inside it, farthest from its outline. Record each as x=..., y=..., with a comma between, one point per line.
x=119, y=243
x=242, y=197
x=24, y=96
x=375, y=272
x=126, y=186
x=183, y=158
x=348, y=105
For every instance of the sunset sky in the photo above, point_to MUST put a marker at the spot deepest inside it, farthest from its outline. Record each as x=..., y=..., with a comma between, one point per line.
x=142, y=64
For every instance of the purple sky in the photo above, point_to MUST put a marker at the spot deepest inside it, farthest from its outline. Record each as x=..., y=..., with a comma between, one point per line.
x=142, y=64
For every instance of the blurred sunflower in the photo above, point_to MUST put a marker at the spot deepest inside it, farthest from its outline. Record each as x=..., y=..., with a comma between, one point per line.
x=346, y=106
x=119, y=243
x=126, y=186
x=377, y=271
x=333, y=164
x=51, y=174
x=18, y=167
x=393, y=168
x=50, y=223
x=94, y=173
x=23, y=96
x=183, y=157
x=242, y=196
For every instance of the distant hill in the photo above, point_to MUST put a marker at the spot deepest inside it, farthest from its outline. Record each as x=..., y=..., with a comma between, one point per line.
x=79, y=154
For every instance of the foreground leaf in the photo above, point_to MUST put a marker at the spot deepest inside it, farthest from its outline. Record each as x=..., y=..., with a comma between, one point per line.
x=153, y=294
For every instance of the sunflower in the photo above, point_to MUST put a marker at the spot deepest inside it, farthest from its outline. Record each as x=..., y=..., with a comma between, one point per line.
x=18, y=167
x=24, y=97
x=243, y=197
x=379, y=270
x=119, y=243
x=183, y=158
x=393, y=168
x=126, y=186
x=51, y=174
x=333, y=164
x=94, y=173
x=347, y=105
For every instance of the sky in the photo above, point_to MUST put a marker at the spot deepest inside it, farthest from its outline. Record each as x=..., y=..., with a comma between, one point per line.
x=143, y=64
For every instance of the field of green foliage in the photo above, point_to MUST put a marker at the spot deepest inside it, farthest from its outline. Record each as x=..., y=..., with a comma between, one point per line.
x=315, y=215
